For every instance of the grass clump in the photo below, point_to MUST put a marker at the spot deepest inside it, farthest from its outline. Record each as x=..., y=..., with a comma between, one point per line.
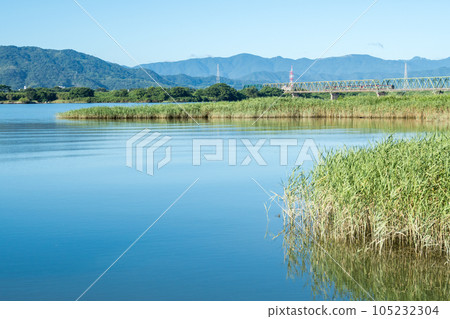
x=432, y=107
x=392, y=194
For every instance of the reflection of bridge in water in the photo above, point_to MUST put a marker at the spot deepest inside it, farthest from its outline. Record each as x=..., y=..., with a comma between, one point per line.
x=381, y=87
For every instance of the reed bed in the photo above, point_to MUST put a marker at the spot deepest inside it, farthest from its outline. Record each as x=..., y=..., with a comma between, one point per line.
x=429, y=107
x=392, y=194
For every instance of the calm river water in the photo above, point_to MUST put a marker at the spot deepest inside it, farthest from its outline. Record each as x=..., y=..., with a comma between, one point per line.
x=69, y=206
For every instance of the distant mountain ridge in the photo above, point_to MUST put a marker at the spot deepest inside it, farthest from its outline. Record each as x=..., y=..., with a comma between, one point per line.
x=247, y=68
x=37, y=67
x=33, y=67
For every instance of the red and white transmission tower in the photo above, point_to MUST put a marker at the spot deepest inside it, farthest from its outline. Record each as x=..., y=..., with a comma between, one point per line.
x=291, y=77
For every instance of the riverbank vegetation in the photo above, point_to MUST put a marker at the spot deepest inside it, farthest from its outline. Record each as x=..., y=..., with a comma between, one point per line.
x=216, y=92
x=391, y=196
x=425, y=107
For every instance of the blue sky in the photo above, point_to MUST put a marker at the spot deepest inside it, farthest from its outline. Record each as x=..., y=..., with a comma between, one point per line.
x=155, y=31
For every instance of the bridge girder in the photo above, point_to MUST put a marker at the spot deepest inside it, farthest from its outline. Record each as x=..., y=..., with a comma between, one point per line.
x=397, y=84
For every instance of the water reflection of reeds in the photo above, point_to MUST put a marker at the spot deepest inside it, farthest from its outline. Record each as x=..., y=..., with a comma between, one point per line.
x=394, y=275
x=275, y=125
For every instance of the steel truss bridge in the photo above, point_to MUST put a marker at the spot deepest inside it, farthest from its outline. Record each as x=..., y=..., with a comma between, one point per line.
x=381, y=87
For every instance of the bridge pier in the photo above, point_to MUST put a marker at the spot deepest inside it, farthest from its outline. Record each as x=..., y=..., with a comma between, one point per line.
x=334, y=95
x=381, y=93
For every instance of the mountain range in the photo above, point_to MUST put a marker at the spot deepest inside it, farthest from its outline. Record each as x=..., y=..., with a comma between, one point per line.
x=37, y=67
x=251, y=68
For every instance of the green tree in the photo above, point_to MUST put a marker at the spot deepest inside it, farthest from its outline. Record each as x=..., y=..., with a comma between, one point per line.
x=31, y=94
x=222, y=92
x=178, y=91
x=200, y=95
x=80, y=92
x=45, y=95
x=250, y=92
x=120, y=93
x=25, y=100
x=62, y=95
x=5, y=88
x=270, y=91
x=137, y=94
x=156, y=94
x=14, y=96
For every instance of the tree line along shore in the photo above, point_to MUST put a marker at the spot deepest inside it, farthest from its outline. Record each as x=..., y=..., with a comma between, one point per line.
x=216, y=92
